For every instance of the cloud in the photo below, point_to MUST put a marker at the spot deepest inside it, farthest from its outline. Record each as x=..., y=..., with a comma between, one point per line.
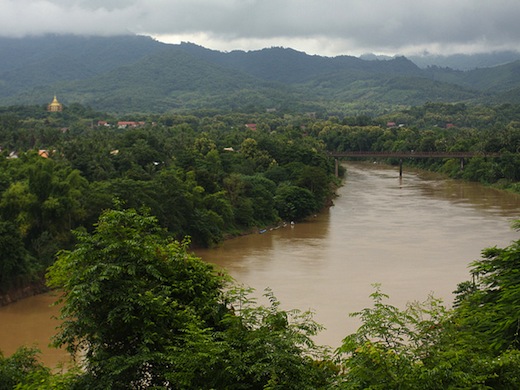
x=327, y=27
x=26, y=17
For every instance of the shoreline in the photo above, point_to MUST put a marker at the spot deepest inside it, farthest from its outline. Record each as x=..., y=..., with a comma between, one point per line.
x=18, y=293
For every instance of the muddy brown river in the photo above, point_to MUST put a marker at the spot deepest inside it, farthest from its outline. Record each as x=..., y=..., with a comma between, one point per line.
x=415, y=235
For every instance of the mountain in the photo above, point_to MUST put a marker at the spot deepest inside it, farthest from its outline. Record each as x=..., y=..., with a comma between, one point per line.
x=45, y=60
x=455, y=61
x=290, y=66
x=466, y=61
x=139, y=74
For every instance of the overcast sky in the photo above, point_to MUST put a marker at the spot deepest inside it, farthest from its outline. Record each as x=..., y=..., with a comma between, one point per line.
x=325, y=27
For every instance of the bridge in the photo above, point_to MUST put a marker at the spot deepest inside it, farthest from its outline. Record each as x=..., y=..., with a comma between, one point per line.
x=413, y=154
x=410, y=154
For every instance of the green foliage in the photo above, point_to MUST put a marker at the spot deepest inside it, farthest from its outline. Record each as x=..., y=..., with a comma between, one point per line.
x=270, y=348
x=140, y=311
x=16, y=265
x=422, y=346
x=392, y=346
x=44, y=201
x=164, y=314
x=316, y=181
x=260, y=191
x=294, y=203
x=259, y=158
x=180, y=168
x=488, y=310
x=19, y=367
x=131, y=297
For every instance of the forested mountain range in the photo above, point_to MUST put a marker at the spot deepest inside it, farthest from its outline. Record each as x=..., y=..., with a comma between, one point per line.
x=456, y=61
x=139, y=74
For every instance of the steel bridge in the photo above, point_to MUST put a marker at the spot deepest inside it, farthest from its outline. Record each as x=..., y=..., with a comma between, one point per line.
x=410, y=154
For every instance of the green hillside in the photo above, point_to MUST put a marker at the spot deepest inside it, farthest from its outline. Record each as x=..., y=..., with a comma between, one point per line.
x=26, y=63
x=137, y=74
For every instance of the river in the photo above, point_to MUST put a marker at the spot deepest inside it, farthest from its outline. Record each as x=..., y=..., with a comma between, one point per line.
x=415, y=235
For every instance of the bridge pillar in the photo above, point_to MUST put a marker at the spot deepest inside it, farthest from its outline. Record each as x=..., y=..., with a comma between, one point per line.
x=400, y=167
x=462, y=163
x=336, y=167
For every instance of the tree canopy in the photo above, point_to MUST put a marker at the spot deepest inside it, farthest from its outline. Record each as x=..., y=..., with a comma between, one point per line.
x=139, y=311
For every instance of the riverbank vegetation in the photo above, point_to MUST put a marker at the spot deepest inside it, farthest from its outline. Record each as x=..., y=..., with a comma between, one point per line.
x=203, y=177
x=105, y=207
x=140, y=312
x=438, y=127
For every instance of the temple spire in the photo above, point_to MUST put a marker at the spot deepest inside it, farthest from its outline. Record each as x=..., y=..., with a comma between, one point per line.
x=55, y=105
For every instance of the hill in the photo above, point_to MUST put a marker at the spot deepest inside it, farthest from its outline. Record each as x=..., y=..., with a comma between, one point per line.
x=139, y=74
x=466, y=61
x=36, y=61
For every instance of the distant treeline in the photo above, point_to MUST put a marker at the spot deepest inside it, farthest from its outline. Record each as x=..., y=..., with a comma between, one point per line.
x=438, y=127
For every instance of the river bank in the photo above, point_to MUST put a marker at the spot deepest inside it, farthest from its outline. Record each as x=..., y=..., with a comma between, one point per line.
x=414, y=235
x=23, y=291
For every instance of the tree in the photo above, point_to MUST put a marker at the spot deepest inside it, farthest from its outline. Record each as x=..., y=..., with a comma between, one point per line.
x=293, y=202
x=260, y=158
x=16, y=264
x=390, y=348
x=260, y=191
x=142, y=312
x=488, y=306
x=316, y=181
x=44, y=199
x=265, y=347
x=135, y=303
x=424, y=346
x=16, y=369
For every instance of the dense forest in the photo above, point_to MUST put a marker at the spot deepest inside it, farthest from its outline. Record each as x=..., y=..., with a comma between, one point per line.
x=202, y=177
x=108, y=208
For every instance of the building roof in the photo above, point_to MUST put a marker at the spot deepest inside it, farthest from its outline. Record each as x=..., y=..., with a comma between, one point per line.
x=55, y=105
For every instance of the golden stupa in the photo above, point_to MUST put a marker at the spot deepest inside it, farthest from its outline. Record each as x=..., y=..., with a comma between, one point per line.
x=55, y=106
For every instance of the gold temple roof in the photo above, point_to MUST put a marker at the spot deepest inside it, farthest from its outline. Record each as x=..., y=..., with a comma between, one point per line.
x=55, y=101
x=55, y=105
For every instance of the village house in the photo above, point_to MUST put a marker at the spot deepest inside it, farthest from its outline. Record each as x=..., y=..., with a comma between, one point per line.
x=43, y=153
